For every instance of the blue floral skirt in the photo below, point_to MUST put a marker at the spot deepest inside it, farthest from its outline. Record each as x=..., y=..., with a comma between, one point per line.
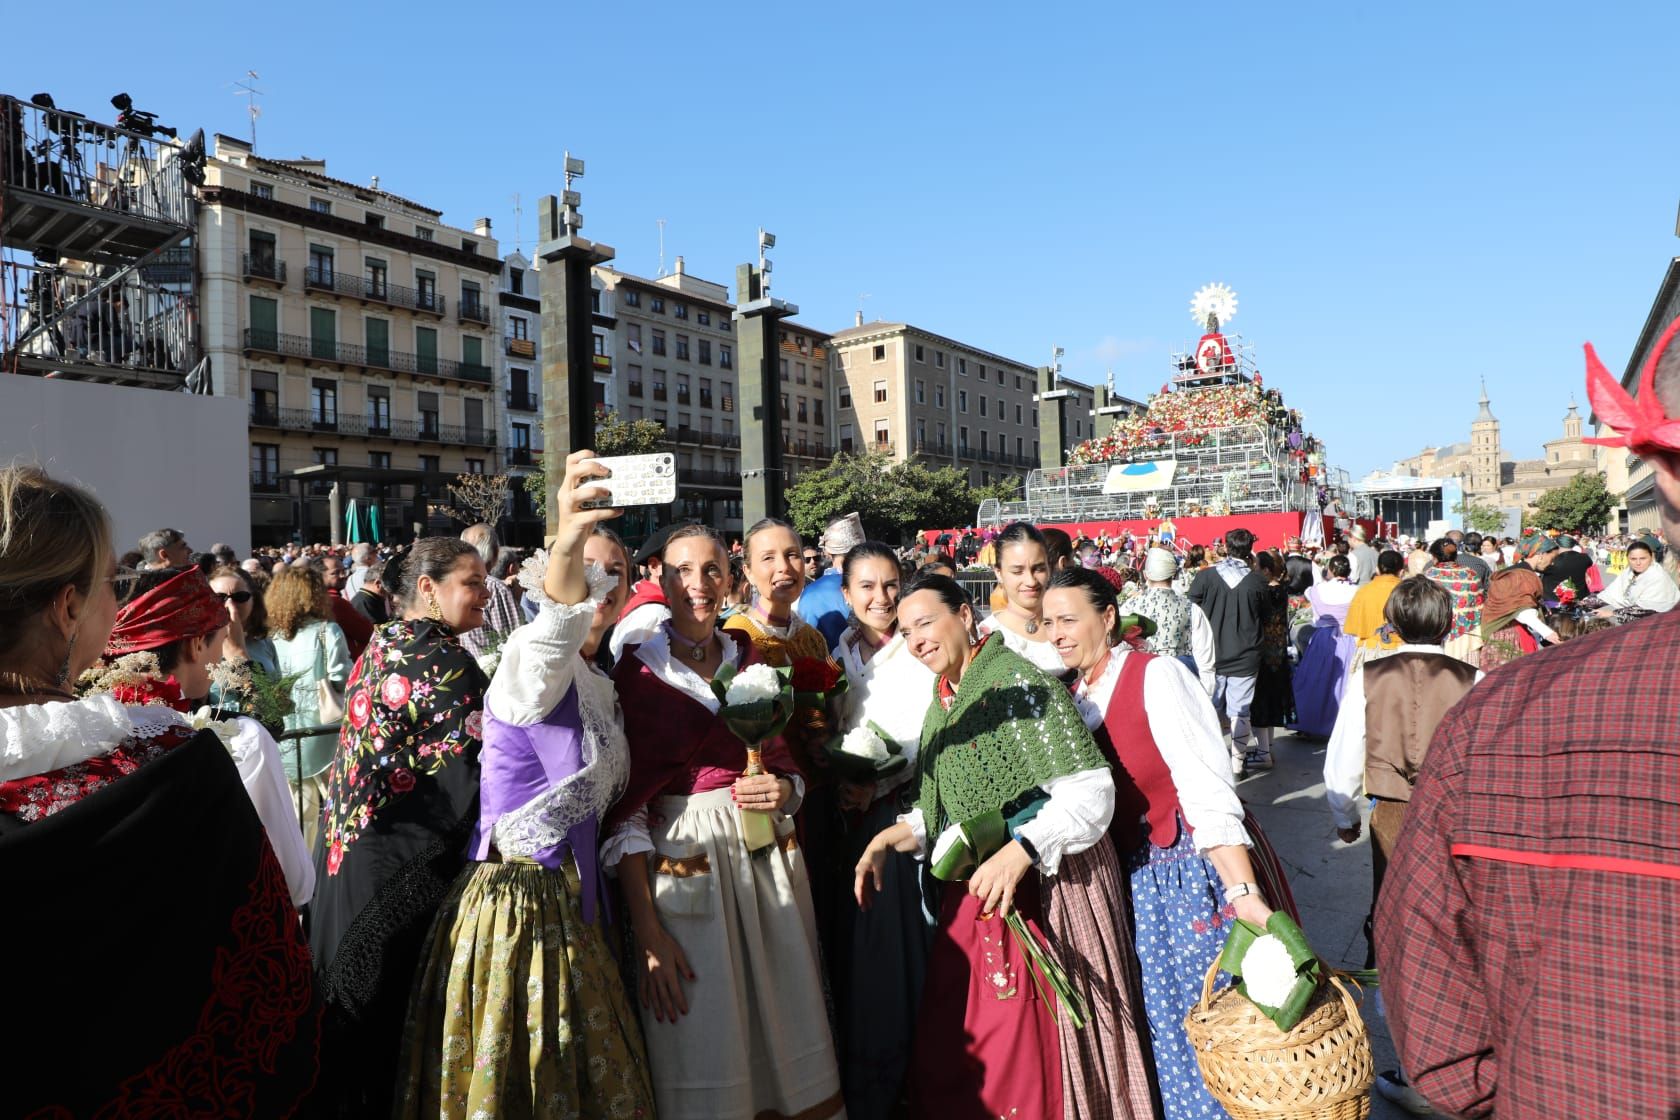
x=1179, y=922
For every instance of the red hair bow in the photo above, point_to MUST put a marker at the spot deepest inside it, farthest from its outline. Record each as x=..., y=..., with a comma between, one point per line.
x=1639, y=421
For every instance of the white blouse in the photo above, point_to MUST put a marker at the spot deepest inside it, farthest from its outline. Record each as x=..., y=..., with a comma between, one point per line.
x=892, y=690
x=1042, y=654
x=38, y=738
x=1651, y=590
x=1186, y=731
x=541, y=662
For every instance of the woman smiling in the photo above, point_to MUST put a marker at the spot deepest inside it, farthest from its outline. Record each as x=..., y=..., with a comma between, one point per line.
x=1023, y=572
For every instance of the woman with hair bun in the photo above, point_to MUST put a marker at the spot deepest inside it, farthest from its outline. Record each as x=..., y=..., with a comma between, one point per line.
x=401, y=801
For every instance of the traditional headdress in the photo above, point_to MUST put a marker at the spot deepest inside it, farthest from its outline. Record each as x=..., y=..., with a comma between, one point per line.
x=1639, y=421
x=1537, y=544
x=843, y=534
x=182, y=606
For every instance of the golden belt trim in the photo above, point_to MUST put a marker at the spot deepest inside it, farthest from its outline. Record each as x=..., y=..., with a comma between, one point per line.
x=681, y=867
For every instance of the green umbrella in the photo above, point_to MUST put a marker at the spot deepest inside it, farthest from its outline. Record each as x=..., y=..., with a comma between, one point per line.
x=373, y=522
x=352, y=523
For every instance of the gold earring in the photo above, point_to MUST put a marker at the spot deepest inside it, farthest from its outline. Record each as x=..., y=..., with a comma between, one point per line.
x=434, y=611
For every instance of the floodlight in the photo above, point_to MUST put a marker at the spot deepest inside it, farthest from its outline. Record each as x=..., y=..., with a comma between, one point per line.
x=571, y=198
x=766, y=240
x=574, y=166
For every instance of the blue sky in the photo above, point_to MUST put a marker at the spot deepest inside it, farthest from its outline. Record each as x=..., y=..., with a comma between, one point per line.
x=1406, y=198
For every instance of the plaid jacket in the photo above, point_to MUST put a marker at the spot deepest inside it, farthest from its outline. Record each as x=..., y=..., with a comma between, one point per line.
x=501, y=618
x=1529, y=923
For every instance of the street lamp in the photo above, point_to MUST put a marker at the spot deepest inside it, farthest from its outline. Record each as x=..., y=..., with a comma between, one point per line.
x=765, y=241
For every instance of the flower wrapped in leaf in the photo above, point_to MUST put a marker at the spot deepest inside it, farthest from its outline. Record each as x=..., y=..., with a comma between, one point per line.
x=866, y=754
x=1275, y=967
x=755, y=703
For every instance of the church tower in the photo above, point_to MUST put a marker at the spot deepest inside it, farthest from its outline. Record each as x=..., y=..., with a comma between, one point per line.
x=1572, y=423
x=1484, y=451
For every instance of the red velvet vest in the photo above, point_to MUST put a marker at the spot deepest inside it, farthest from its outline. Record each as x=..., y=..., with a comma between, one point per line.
x=1143, y=786
x=641, y=594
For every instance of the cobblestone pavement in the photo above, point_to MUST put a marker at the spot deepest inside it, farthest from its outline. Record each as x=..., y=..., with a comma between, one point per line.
x=1331, y=880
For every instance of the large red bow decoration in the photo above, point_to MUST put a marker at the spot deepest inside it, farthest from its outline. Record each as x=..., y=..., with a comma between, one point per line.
x=1639, y=421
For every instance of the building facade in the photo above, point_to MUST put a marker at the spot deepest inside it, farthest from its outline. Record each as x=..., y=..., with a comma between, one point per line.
x=359, y=328
x=668, y=351
x=519, y=392
x=1489, y=477
x=909, y=392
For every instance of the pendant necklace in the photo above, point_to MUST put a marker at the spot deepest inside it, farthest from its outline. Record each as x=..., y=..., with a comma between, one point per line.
x=696, y=650
x=1029, y=624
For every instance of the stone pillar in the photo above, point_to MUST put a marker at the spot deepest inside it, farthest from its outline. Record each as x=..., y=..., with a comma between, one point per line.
x=335, y=513
x=1052, y=419
x=756, y=342
x=568, y=352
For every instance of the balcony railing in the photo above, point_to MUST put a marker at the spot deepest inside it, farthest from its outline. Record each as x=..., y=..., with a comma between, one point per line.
x=264, y=267
x=521, y=401
x=345, y=424
x=682, y=395
x=345, y=353
x=688, y=477
x=519, y=347
x=263, y=483
x=703, y=439
x=659, y=392
x=635, y=388
x=519, y=457
x=705, y=398
x=473, y=311
x=371, y=289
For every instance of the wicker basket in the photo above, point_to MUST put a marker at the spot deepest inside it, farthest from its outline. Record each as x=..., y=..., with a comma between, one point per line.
x=1320, y=1070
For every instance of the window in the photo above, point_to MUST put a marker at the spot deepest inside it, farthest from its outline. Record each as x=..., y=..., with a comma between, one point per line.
x=939, y=358
x=801, y=413
x=320, y=266
x=982, y=404
x=472, y=300
x=265, y=322
x=921, y=434
x=940, y=429
x=921, y=391
x=265, y=397
x=816, y=376
x=682, y=390
x=682, y=347
x=521, y=328
x=799, y=373
x=1079, y=427
x=633, y=336
x=323, y=403
x=962, y=400
x=595, y=300
x=817, y=412
x=431, y=464
x=260, y=261
x=635, y=380
x=472, y=351
x=705, y=351
x=428, y=415
x=938, y=396
x=883, y=433
x=680, y=310
x=1000, y=378
x=919, y=355
x=704, y=318
x=784, y=369
x=422, y=233
x=658, y=343
x=632, y=298
x=320, y=206
x=516, y=281
x=1020, y=446
x=846, y=437
x=659, y=385
x=962, y=440
x=1017, y=414
x=1035, y=449
x=962, y=367
x=323, y=333
x=845, y=396
x=475, y=466
x=784, y=407
x=657, y=305
x=522, y=436
x=425, y=350
x=376, y=335
x=598, y=342
x=726, y=359
x=265, y=464
x=378, y=410
x=879, y=354
x=474, y=407
x=262, y=190
x=376, y=278
x=426, y=296
x=880, y=392
x=374, y=221
x=1017, y=383
x=705, y=399
x=1035, y=417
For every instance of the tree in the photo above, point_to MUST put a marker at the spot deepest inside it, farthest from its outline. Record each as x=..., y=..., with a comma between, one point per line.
x=1480, y=517
x=1582, y=505
x=892, y=500
x=614, y=435
x=478, y=497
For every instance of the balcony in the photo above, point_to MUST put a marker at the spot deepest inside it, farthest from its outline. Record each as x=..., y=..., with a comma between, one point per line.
x=519, y=347
x=520, y=457
x=603, y=364
x=705, y=398
x=266, y=267
x=658, y=391
x=370, y=289
x=682, y=395
x=262, y=483
x=635, y=388
x=728, y=479
x=519, y=401
x=348, y=354
x=381, y=427
x=473, y=311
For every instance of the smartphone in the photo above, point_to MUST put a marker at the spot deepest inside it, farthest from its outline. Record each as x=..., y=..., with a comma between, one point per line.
x=637, y=480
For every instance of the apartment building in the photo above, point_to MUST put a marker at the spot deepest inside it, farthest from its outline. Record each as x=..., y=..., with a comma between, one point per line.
x=359, y=327
x=519, y=390
x=669, y=345
x=910, y=392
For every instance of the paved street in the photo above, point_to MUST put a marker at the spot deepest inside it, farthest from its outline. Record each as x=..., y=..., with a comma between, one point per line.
x=1331, y=880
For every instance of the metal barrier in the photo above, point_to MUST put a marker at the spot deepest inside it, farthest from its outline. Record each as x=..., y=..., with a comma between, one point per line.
x=296, y=736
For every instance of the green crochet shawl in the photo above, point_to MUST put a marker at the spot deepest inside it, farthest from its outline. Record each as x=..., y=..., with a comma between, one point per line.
x=1010, y=729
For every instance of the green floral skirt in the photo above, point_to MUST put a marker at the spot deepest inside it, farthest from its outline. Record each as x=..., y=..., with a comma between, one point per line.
x=519, y=1012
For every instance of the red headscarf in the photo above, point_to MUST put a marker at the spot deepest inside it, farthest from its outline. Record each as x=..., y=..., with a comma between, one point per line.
x=1639, y=421
x=182, y=606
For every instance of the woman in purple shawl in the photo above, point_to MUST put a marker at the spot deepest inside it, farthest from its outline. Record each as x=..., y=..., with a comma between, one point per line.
x=519, y=1010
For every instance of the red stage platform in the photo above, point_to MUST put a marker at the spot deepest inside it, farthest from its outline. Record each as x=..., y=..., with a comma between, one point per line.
x=1270, y=530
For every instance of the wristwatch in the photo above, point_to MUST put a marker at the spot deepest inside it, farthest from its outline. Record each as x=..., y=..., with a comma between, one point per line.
x=1027, y=846
x=1240, y=890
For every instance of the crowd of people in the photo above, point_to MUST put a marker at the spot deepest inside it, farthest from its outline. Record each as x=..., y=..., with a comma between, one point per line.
x=726, y=830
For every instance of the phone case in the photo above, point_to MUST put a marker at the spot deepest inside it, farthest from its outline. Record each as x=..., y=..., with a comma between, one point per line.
x=637, y=480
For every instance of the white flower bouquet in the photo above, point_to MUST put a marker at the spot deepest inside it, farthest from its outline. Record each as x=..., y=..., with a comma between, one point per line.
x=866, y=754
x=756, y=704
x=1275, y=967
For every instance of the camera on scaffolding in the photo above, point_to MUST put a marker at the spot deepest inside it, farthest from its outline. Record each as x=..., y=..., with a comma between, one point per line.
x=138, y=120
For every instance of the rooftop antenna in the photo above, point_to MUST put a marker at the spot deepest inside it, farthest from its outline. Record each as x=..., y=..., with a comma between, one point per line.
x=251, y=93
x=862, y=296
x=661, y=223
x=518, y=216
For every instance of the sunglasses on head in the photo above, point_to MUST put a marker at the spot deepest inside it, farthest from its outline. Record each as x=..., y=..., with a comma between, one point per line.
x=240, y=597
